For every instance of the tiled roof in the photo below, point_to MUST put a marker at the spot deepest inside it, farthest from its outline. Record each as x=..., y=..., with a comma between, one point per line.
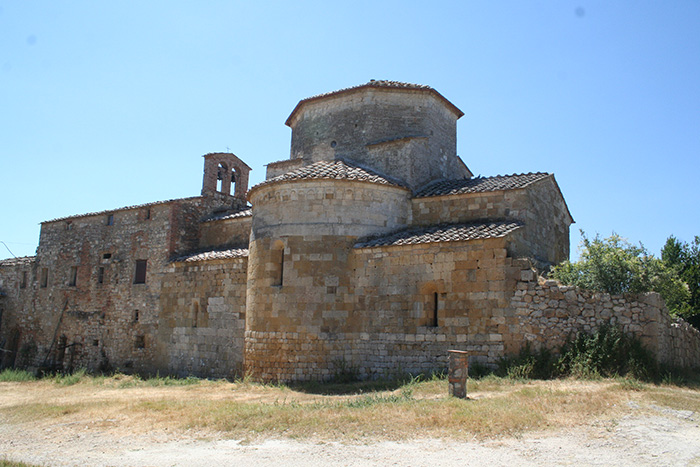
x=212, y=255
x=443, y=233
x=230, y=215
x=331, y=170
x=125, y=208
x=480, y=184
x=17, y=261
x=374, y=83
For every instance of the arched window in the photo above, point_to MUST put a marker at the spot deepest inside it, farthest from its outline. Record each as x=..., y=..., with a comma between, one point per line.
x=223, y=180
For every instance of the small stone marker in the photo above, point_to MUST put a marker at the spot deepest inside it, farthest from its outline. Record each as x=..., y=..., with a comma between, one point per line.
x=457, y=371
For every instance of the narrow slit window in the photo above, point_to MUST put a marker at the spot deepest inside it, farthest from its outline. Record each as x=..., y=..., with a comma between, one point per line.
x=436, y=307
x=101, y=275
x=44, y=279
x=23, y=280
x=73, y=276
x=136, y=316
x=140, y=273
x=110, y=219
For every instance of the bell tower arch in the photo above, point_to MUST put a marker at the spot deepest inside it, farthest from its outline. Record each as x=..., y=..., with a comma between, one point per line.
x=226, y=174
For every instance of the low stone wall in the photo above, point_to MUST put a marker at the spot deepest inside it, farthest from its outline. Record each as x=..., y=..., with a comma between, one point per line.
x=549, y=313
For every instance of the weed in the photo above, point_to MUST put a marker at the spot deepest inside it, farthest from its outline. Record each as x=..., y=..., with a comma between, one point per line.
x=70, y=378
x=10, y=375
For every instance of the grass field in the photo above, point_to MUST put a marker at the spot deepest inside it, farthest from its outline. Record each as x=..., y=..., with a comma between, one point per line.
x=417, y=408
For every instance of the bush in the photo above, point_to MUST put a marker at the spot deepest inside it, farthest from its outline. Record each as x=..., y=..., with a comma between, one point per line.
x=606, y=353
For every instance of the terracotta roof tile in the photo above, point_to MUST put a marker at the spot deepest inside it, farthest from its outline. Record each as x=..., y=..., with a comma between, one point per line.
x=230, y=215
x=442, y=233
x=212, y=255
x=331, y=170
x=125, y=208
x=17, y=261
x=375, y=83
x=480, y=184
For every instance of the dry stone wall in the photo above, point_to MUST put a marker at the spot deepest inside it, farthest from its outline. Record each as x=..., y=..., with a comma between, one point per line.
x=549, y=313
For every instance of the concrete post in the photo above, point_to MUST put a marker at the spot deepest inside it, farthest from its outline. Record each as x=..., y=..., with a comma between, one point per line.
x=457, y=371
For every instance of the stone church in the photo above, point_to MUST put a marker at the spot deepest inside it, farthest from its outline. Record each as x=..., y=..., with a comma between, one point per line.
x=373, y=247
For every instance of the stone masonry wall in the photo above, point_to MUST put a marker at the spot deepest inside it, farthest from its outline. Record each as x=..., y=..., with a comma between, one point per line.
x=548, y=313
x=202, y=318
x=374, y=309
x=539, y=206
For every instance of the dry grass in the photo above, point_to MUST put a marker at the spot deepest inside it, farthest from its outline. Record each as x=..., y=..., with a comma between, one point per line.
x=496, y=407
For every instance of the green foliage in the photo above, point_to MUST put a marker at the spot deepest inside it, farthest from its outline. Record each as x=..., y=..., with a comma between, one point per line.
x=615, y=266
x=10, y=375
x=70, y=379
x=606, y=353
x=684, y=258
x=528, y=364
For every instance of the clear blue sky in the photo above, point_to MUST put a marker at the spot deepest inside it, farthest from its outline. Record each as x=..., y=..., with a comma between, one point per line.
x=109, y=104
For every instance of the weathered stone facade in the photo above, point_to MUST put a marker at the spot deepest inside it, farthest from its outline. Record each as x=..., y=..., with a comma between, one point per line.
x=371, y=248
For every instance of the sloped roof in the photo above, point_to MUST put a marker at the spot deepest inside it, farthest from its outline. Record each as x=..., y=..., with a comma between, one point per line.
x=442, y=233
x=17, y=261
x=125, y=208
x=230, y=215
x=331, y=170
x=381, y=83
x=212, y=255
x=480, y=184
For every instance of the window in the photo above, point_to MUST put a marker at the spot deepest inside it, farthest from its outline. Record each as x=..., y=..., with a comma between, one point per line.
x=44, y=278
x=140, y=275
x=147, y=214
x=95, y=342
x=435, y=308
x=140, y=342
x=107, y=256
x=69, y=225
x=101, y=275
x=110, y=219
x=136, y=316
x=277, y=259
x=23, y=280
x=73, y=276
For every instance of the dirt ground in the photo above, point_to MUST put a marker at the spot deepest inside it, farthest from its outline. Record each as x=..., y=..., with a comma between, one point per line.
x=666, y=437
x=639, y=435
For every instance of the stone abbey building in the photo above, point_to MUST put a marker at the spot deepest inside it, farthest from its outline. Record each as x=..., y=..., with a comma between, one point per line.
x=372, y=247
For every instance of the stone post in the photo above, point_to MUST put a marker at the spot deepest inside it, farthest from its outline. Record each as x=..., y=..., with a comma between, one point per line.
x=457, y=371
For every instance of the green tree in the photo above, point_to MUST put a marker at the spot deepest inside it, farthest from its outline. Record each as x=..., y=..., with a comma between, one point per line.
x=615, y=266
x=684, y=258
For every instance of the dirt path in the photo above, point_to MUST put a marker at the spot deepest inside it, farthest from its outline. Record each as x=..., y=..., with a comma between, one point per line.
x=656, y=436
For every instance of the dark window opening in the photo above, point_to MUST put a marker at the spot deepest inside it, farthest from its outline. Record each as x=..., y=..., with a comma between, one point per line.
x=101, y=275
x=44, y=281
x=69, y=225
x=73, y=278
x=136, y=316
x=140, y=342
x=195, y=314
x=107, y=256
x=110, y=219
x=147, y=214
x=436, y=307
x=23, y=280
x=140, y=275
x=95, y=342
x=278, y=261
